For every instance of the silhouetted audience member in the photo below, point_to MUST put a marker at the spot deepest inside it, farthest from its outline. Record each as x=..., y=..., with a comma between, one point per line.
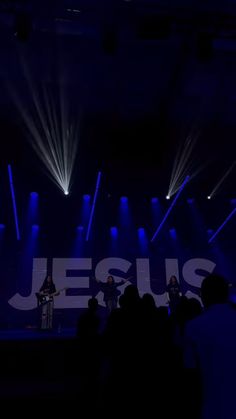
x=89, y=354
x=148, y=303
x=89, y=322
x=164, y=324
x=131, y=298
x=194, y=308
x=121, y=301
x=179, y=318
x=121, y=337
x=209, y=357
x=148, y=321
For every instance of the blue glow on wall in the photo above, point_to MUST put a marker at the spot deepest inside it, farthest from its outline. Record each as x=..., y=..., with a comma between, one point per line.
x=173, y=233
x=114, y=248
x=85, y=210
x=124, y=212
x=156, y=211
x=33, y=208
x=143, y=241
x=114, y=232
x=78, y=249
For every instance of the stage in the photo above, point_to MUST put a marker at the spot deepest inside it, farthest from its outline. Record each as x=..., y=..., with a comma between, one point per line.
x=32, y=334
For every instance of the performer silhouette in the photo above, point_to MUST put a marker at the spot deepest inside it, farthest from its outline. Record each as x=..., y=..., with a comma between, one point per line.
x=110, y=291
x=46, y=293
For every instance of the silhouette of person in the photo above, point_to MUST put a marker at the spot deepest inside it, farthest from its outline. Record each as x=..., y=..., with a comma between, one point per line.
x=46, y=293
x=110, y=291
x=88, y=323
x=174, y=294
x=209, y=355
x=88, y=350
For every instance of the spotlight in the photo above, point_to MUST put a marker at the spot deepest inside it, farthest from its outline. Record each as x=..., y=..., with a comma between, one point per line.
x=170, y=208
x=55, y=138
x=143, y=241
x=114, y=231
x=167, y=196
x=93, y=205
x=141, y=231
x=173, y=233
x=222, y=179
x=222, y=225
x=86, y=197
x=209, y=197
x=124, y=213
x=14, y=202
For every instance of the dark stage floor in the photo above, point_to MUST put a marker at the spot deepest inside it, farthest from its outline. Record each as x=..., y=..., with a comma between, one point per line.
x=35, y=334
x=37, y=365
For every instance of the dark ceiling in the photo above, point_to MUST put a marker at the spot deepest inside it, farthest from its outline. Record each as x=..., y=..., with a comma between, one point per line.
x=141, y=76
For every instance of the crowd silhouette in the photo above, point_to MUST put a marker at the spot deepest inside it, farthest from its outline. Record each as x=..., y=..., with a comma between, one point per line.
x=152, y=360
x=142, y=360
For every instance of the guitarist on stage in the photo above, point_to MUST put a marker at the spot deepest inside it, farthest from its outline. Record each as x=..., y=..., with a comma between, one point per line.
x=46, y=293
